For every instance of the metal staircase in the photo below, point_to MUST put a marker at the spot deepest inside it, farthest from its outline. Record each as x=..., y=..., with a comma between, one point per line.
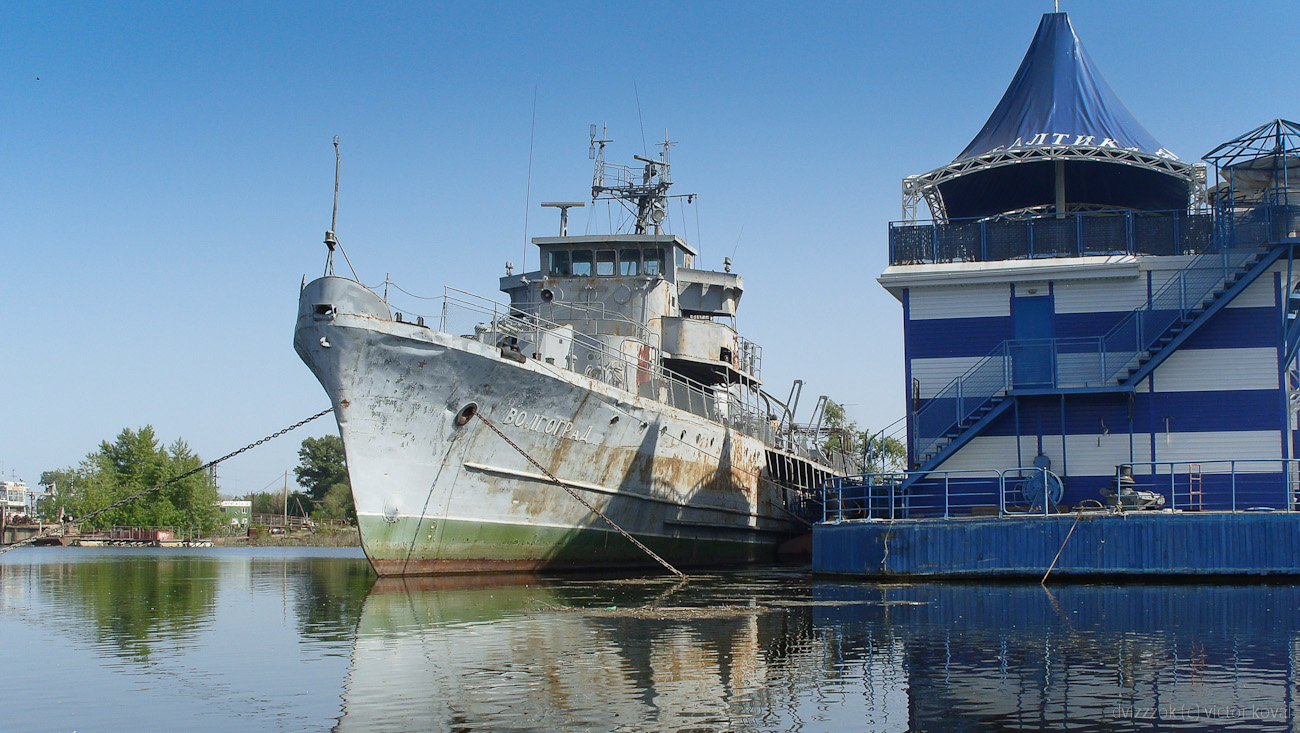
x=1116, y=361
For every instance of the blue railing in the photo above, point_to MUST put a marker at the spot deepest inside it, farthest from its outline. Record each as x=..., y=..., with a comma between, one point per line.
x=1226, y=485
x=937, y=494
x=1247, y=485
x=1050, y=235
x=1098, y=361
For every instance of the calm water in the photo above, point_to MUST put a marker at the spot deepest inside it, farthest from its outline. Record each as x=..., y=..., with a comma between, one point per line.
x=271, y=639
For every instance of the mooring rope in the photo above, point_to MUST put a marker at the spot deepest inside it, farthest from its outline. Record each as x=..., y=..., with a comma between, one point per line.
x=127, y=500
x=1078, y=515
x=575, y=495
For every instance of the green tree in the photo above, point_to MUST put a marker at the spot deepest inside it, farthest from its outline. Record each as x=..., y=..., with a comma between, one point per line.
x=135, y=461
x=876, y=452
x=884, y=454
x=57, y=482
x=337, y=504
x=323, y=472
x=266, y=502
x=274, y=502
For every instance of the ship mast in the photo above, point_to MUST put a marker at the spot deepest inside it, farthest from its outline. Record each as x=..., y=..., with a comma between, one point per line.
x=643, y=192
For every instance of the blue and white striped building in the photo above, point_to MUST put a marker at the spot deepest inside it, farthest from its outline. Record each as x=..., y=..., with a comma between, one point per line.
x=1083, y=303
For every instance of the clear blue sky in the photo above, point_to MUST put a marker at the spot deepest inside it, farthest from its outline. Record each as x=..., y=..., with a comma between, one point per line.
x=166, y=173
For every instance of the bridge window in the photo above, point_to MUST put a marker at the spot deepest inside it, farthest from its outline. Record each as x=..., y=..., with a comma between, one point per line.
x=605, y=262
x=582, y=263
x=560, y=263
x=654, y=261
x=629, y=262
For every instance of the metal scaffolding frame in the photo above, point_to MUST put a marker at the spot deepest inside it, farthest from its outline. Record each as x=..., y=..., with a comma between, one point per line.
x=926, y=185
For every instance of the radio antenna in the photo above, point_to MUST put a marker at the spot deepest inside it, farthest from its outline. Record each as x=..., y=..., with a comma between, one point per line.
x=337, y=165
x=528, y=185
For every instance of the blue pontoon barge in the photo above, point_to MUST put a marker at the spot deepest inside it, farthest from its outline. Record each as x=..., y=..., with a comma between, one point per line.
x=1100, y=345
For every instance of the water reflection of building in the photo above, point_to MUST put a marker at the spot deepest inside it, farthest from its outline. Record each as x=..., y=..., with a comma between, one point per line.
x=1013, y=657
x=430, y=655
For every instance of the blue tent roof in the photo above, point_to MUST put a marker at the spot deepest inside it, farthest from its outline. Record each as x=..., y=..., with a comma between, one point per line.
x=1059, y=140
x=1059, y=98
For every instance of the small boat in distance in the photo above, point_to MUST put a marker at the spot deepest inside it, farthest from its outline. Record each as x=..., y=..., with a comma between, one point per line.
x=616, y=366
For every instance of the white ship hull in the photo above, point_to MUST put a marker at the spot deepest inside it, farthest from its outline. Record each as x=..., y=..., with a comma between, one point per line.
x=436, y=496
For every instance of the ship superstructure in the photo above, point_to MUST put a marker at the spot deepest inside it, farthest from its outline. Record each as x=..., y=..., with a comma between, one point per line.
x=616, y=365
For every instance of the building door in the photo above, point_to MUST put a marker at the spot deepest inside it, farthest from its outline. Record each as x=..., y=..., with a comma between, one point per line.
x=1032, y=352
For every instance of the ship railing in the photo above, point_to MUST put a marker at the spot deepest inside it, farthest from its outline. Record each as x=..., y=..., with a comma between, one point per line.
x=941, y=494
x=750, y=358
x=614, y=175
x=1221, y=485
x=541, y=316
x=621, y=365
x=604, y=322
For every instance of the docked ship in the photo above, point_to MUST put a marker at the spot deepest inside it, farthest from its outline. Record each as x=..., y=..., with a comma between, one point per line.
x=491, y=436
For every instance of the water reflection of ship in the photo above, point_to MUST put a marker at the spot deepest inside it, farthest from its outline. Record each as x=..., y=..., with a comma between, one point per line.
x=1012, y=657
x=452, y=653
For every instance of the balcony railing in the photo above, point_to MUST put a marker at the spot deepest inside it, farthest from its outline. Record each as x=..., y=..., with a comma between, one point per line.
x=1049, y=235
x=1205, y=485
x=1246, y=485
x=938, y=494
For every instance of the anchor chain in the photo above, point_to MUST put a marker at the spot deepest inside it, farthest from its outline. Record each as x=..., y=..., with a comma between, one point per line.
x=575, y=495
x=163, y=485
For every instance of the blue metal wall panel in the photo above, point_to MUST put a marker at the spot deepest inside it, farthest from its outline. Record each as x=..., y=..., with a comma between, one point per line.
x=1188, y=412
x=1199, y=412
x=1136, y=543
x=1084, y=325
x=1238, y=328
x=1080, y=488
x=1229, y=328
x=939, y=337
x=1083, y=415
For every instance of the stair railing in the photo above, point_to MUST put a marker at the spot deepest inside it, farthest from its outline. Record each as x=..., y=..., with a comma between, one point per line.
x=960, y=398
x=1188, y=290
x=1120, y=348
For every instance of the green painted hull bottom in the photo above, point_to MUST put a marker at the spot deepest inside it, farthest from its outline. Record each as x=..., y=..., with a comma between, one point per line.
x=425, y=547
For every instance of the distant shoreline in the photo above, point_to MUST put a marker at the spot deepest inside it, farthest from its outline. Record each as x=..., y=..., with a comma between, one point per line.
x=318, y=538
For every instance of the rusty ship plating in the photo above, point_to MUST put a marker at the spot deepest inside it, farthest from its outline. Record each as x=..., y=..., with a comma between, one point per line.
x=616, y=366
